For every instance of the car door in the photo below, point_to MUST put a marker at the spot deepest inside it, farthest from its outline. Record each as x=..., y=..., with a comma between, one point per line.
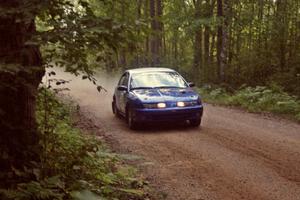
x=121, y=94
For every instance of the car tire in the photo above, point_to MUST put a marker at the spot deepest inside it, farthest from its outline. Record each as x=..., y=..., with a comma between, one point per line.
x=195, y=122
x=132, y=123
x=115, y=109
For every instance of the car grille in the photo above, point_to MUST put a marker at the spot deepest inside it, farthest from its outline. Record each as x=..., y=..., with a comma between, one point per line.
x=171, y=116
x=171, y=104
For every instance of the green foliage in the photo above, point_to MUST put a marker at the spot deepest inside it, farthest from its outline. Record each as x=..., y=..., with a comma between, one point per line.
x=255, y=99
x=214, y=94
x=48, y=188
x=73, y=165
x=262, y=39
x=92, y=27
x=261, y=48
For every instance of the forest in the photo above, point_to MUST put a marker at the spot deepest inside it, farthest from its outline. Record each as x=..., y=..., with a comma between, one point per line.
x=227, y=44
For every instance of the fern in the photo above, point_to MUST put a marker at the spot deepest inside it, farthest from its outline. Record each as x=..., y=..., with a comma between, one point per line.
x=255, y=99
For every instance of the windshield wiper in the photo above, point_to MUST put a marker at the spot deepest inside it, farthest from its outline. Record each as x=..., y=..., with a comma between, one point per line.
x=162, y=87
x=139, y=88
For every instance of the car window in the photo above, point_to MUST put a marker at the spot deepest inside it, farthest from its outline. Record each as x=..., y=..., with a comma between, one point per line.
x=157, y=79
x=124, y=80
x=121, y=80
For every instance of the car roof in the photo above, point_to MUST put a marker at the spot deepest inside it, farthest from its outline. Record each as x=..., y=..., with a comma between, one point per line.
x=149, y=69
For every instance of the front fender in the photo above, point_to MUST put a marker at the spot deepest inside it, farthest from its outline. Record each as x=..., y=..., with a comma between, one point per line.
x=133, y=101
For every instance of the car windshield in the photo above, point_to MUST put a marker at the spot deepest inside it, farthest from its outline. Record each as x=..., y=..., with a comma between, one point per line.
x=157, y=80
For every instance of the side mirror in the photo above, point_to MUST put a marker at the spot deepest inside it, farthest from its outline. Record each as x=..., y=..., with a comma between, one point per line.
x=122, y=88
x=191, y=84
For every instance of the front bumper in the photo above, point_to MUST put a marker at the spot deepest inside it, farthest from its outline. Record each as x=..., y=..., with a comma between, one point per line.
x=168, y=114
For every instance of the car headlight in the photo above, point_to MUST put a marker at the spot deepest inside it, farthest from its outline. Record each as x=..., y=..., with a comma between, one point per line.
x=180, y=104
x=161, y=105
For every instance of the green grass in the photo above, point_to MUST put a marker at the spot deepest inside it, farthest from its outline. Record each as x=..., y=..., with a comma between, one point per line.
x=74, y=165
x=255, y=99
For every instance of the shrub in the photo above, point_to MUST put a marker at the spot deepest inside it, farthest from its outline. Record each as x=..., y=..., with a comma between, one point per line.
x=255, y=99
x=73, y=165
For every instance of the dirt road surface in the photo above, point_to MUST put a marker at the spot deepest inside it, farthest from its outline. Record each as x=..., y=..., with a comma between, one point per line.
x=234, y=155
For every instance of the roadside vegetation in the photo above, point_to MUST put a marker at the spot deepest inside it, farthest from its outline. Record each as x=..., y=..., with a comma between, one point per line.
x=255, y=99
x=73, y=164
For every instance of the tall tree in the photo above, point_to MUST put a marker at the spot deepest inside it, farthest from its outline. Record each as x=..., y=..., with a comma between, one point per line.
x=156, y=12
x=160, y=30
x=68, y=24
x=209, y=7
x=198, y=36
x=222, y=11
x=208, y=48
x=281, y=25
x=147, y=38
x=20, y=75
x=153, y=40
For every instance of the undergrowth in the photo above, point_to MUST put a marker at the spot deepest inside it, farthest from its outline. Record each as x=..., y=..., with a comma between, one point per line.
x=255, y=99
x=73, y=165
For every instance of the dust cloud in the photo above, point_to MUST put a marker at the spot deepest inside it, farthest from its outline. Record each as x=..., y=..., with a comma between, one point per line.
x=82, y=88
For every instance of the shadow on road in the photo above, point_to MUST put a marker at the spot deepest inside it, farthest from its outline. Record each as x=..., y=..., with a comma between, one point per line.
x=149, y=128
x=158, y=127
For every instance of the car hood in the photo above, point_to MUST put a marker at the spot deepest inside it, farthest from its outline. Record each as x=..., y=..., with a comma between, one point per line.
x=165, y=95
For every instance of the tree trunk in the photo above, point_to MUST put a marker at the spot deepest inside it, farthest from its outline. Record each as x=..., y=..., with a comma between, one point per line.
x=260, y=18
x=153, y=40
x=230, y=35
x=147, y=40
x=139, y=15
x=175, y=45
x=268, y=27
x=160, y=28
x=206, y=45
x=207, y=35
x=198, y=39
x=222, y=38
x=251, y=29
x=238, y=43
x=212, y=47
x=21, y=72
x=219, y=36
x=122, y=61
x=207, y=32
x=281, y=27
x=198, y=49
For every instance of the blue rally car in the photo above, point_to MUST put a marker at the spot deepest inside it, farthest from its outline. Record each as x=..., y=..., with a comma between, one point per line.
x=156, y=95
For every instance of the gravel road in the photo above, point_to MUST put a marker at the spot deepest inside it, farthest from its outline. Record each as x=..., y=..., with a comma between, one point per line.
x=234, y=155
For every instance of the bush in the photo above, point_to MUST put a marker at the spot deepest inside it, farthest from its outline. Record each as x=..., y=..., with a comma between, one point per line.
x=214, y=95
x=255, y=99
x=73, y=165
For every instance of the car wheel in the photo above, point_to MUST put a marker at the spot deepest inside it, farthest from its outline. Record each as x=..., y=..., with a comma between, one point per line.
x=131, y=121
x=115, y=109
x=195, y=122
